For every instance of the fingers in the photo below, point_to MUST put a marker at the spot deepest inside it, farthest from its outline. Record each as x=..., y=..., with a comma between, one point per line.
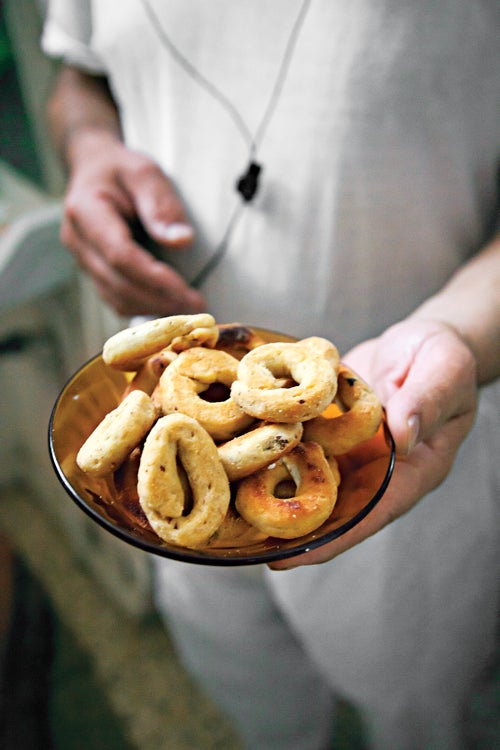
x=427, y=374
x=439, y=385
x=127, y=277
x=106, y=193
x=157, y=204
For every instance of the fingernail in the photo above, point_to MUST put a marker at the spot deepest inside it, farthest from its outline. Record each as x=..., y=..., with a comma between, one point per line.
x=173, y=232
x=413, y=430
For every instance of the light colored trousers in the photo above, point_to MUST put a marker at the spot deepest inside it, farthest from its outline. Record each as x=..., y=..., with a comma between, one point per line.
x=402, y=625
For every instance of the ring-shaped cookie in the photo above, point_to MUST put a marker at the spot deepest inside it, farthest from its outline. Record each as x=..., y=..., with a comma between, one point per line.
x=258, y=447
x=359, y=421
x=189, y=522
x=289, y=517
x=121, y=430
x=258, y=391
x=318, y=346
x=128, y=349
x=192, y=373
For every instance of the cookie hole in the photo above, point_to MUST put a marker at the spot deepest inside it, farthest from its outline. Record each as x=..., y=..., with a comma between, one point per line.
x=215, y=392
x=285, y=489
x=341, y=407
x=186, y=487
x=286, y=382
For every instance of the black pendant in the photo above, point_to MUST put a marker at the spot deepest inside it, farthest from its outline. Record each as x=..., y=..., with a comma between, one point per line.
x=248, y=183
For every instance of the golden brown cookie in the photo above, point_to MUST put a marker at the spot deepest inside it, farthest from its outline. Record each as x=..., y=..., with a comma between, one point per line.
x=257, y=448
x=259, y=502
x=117, y=435
x=359, y=421
x=258, y=388
x=183, y=384
x=127, y=349
x=178, y=517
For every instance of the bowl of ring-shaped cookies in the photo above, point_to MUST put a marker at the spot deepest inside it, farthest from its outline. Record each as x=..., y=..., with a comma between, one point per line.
x=220, y=444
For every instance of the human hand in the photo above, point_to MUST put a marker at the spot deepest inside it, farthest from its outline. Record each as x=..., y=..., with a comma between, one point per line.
x=425, y=374
x=109, y=187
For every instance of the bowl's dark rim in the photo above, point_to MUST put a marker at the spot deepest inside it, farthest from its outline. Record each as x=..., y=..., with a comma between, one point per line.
x=203, y=558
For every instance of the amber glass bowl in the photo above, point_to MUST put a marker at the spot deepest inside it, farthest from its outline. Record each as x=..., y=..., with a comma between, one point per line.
x=95, y=389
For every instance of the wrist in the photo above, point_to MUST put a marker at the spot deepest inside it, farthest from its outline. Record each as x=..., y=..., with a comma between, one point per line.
x=85, y=139
x=470, y=304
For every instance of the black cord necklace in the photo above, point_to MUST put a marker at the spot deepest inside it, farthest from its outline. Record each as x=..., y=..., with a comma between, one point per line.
x=247, y=184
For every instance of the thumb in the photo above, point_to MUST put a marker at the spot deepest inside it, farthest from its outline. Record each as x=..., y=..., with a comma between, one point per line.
x=158, y=206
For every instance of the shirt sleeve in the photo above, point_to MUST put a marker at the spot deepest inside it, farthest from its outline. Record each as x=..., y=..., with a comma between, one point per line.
x=67, y=34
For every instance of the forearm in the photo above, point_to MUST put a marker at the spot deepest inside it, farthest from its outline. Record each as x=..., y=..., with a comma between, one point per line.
x=470, y=303
x=80, y=108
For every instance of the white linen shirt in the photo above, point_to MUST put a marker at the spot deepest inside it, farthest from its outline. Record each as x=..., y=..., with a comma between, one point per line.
x=379, y=162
